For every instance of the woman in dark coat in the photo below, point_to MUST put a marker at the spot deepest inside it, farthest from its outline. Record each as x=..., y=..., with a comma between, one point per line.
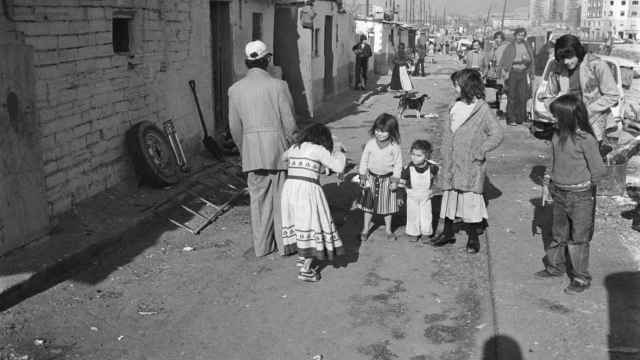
x=518, y=64
x=400, y=79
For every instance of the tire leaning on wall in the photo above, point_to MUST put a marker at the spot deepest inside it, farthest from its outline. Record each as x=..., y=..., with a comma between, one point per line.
x=151, y=155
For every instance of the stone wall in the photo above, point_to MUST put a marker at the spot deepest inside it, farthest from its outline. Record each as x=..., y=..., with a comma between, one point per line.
x=87, y=96
x=312, y=67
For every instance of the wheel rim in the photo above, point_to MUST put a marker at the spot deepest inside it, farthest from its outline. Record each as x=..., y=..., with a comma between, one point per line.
x=157, y=151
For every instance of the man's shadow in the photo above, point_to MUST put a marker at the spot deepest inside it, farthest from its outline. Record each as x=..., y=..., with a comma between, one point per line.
x=341, y=197
x=501, y=347
x=542, y=221
x=623, y=297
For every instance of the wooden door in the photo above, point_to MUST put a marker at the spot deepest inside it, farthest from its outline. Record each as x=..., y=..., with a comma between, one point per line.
x=221, y=55
x=328, y=56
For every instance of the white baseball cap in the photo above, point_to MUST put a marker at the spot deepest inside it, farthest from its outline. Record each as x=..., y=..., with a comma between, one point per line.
x=256, y=50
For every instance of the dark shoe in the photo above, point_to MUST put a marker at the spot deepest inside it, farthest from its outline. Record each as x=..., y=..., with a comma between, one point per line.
x=576, y=287
x=427, y=239
x=473, y=247
x=414, y=239
x=443, y=239
x=545, y=274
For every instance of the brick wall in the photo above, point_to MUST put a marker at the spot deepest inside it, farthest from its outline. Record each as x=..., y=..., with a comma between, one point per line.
x=87, y=96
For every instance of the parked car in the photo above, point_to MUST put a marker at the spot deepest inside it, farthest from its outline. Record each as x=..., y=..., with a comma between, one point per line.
x=541, y=118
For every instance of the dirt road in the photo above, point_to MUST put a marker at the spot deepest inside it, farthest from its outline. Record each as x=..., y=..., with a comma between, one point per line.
x=383, y=301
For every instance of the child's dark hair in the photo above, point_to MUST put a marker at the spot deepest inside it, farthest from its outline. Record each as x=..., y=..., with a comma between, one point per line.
x=421, y=145
x=571, y=114
x=471, y=84
x=316, y=134
x=389, y=123
x=568, y=46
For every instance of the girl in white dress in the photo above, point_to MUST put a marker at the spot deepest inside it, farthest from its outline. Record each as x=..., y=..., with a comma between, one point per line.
x=307, y=224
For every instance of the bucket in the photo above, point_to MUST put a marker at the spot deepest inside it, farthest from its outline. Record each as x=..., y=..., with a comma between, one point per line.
x=615, y=182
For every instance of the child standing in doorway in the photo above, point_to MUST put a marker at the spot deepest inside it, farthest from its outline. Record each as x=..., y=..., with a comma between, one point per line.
x=418, y=179
x=380, y=168
x=307, y=224
x=576, y=168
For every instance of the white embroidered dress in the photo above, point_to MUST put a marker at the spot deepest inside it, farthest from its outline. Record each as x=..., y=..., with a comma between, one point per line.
x=307, y=224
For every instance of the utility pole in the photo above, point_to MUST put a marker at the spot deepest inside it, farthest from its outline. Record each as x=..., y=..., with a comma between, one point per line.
x=504, y=9
x=429, y=16
x=486, y=26
x=444, y=17
x=406, y=10
x=366, y=9
x=411, y=2
x=393, y=10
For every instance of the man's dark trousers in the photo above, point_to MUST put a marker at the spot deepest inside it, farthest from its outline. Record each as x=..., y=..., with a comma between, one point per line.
x=362, y=65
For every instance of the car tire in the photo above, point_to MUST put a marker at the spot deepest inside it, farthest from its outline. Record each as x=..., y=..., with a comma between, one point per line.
x=151, y=154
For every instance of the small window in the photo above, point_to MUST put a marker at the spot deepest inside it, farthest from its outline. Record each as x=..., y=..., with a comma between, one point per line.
x=121, y=35
x=621, y=13
x=256, y=32
x=610, y=13
x=624, y=3
x=316, y=41
x=612, y=2
x=635, y=2
x=634, y=13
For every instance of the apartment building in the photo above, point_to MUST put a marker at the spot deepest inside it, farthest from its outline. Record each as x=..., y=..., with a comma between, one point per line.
x=595, y=22
x=602, y=19
x=624, y=17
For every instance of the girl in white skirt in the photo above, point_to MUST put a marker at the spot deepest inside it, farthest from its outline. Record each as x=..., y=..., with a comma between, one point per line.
x=380, y=168
x=417, y=179
x=470, y=132
x=307, y=224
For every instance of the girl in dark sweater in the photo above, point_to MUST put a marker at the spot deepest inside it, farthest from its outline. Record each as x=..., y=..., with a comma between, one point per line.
x=577, y=167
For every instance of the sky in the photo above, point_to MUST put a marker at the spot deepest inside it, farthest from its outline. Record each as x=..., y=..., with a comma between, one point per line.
x=461, y=7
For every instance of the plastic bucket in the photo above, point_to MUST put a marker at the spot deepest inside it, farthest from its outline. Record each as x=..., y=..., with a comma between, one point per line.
x=615, y=183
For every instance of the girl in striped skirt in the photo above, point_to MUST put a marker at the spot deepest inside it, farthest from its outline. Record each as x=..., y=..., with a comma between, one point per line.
x=380, y=168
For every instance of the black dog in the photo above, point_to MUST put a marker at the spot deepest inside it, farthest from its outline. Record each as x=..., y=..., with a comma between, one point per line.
x=411, y=100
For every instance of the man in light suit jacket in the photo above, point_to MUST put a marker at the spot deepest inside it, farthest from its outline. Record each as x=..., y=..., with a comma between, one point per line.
x=262, y=123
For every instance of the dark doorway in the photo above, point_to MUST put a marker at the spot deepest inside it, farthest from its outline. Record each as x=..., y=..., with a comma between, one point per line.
x=287, y=56
x=221, y=55
x=412, y=40
x=328, y=56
